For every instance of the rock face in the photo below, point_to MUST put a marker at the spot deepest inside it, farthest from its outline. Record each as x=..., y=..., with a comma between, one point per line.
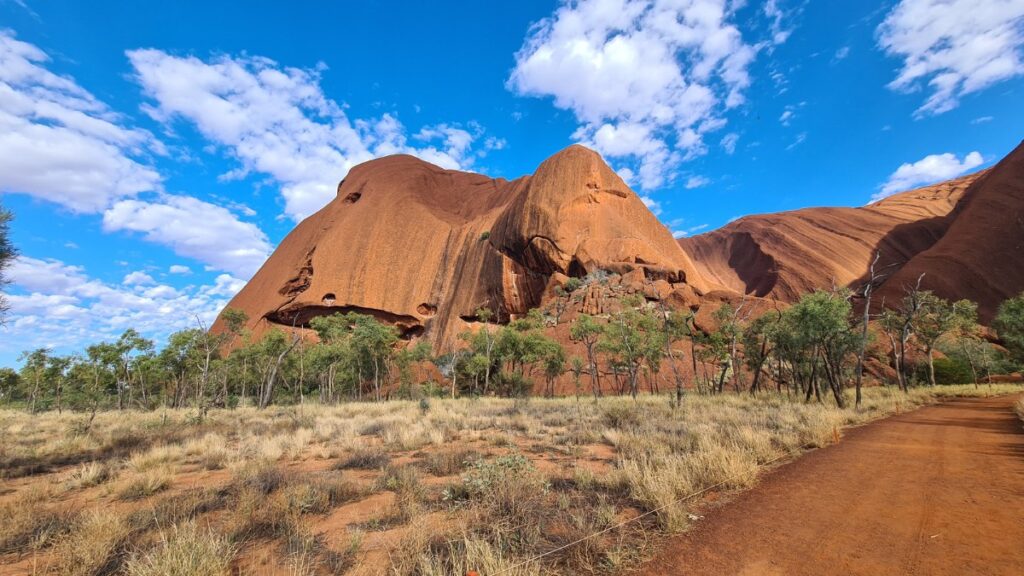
x=784, y=255
x=965, y=235
x=981, y=254
x=424, y=248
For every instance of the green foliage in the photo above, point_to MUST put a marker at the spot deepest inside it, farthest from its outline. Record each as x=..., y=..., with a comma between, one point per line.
x=485, y=235
x=633, y=338
x=7, y=255
x=952, y=370
x=1009, y=324
x=572, y=284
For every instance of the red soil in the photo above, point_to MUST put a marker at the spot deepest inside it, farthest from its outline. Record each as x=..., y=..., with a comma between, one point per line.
x=937, y=491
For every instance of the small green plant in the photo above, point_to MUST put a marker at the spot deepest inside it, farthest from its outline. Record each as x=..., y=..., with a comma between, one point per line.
x=486, y=234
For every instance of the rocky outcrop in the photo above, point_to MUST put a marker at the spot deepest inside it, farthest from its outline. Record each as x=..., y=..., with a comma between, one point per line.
x=784, y=255
x=980, y=256
x=966, y=236
x=424, y=248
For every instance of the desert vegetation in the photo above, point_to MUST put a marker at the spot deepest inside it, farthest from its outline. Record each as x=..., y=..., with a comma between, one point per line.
x=817, y=348
x=343, y=447
x=434, y=487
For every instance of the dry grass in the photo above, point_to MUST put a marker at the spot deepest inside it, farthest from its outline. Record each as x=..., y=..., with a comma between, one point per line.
x=530, y=476
x=95, y=545
x=29, y=524
x=449, y=462
x=146, y=484
x=187, y=550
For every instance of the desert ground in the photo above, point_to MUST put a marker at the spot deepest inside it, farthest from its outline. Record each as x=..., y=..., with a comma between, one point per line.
x=716, y=485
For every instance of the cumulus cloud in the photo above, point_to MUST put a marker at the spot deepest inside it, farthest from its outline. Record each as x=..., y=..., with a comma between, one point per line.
x=58, y=305
x=138, y=277
x=179, y=269
x=276, y=120
x=194, y=229
x=928, y=170
x=646, y=79
x=59, y=143
x=954, y=47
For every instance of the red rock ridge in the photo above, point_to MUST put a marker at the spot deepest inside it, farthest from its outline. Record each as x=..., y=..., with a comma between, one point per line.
x=423, y=248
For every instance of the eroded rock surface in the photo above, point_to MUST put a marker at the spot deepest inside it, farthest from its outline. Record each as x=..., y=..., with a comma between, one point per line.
x=424, y=248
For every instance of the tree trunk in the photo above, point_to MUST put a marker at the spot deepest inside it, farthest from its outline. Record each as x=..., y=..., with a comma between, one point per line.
x=931, y=365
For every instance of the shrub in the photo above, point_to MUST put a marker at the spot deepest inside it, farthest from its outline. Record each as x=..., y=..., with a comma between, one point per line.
x=485, y=235
x=572, y=284
x=952, y=370
x=509, y=493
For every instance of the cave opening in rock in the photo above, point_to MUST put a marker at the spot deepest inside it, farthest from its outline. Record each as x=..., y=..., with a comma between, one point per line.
x=329, y=299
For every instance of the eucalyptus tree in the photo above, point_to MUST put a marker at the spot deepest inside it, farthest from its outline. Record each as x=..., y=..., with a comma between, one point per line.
x=7, y=256
x=588, y=332
x=1009, y=323
x=630, y=338
x=937, y=318
x=33, y=372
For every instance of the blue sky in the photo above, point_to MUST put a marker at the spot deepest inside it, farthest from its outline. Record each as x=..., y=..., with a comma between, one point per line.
x=153, y=157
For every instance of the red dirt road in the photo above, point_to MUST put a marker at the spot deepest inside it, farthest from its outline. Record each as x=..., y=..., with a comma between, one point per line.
x=933, y=492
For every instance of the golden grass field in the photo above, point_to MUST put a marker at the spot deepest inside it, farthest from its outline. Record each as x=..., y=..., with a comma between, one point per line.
x=437, y=487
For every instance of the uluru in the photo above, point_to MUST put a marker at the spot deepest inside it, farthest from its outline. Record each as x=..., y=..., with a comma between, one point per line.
x=425, y=248
x=546, y=288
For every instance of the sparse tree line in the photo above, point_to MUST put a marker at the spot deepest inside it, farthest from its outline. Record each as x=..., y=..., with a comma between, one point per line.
x=812, y=350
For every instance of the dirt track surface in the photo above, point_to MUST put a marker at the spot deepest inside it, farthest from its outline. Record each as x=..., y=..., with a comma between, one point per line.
x=932, y=492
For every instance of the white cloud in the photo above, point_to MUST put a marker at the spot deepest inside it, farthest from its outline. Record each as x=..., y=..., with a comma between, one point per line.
x=58, y=305
x=956, y=47
x=696, y=182
x=982, y=120
x=841, y=54
x=179, y=269
x=646, y=79
x=776, y=16
x=800, y=139
x=729, y=141
x=651, y=204
x=786, y=116
x=276, y=120
x=195, y=229
x=928, y=170
x=137, y=278
x=60, y=144
x=688, y=231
